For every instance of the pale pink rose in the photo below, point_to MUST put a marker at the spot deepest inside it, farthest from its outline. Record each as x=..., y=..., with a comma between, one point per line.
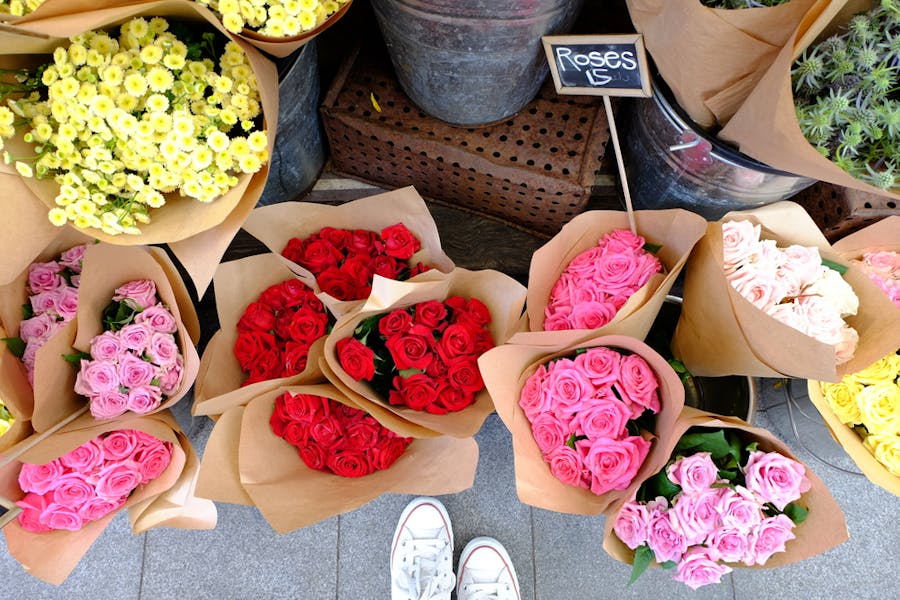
x=72, y=257
x=787, y=313
x=616, y=272
x=67, y=303
x=163, y=349
x=775, y=478
x=153, y=460
x=43, y=277
x=632, y=524
x=118, y=445
x=613, y=463
x=29, y=357
x=85, y=458
x=621, y=240
x=40, y=327
x=107, y=347
x=739, y=509
x=695, y=516
x=96, y=508
x=135, y=372
x=108, y=405
x=58, y=516
x=558, y=322
x=566, y=465
x=40, y=479
x=144, y=399
x=769, y=257
x=158, y=318
x=803, y=263
x=731, y=544
x=740, y=241
x=886, y=263
x=33, y=506
x=567, y=387
x=602, y=418
x=170, y=377
x=600, y=365
x=638, y=384
x=136, y=336
x=845, y=348
x=699, y=567
x=72, y=490
x=822, y=321
x=95, y=377
x=762, y=290
x=695, y=473
x=118, y=479
x=769, y=537
x=45, y=302
x=667, y=544
x=75, y=280
x=533, y=398
x=548, y=431
x=835, y=290
x=591, y=315
x=142, y=292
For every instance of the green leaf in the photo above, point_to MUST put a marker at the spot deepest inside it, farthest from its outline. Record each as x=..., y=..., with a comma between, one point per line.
x=835, y=266
x=658, y=485
x=651, y=248
x=580, y=351
x=75, y=358
x=5, y=415
x=643, y=556
x=729, y=475
x=678, y=366
x=713, y=442
x=669, y=564
x=796, y=513
x=571, y=441
x=27, y=311
x=409, y=372
x=15, y=345
x=365, y=327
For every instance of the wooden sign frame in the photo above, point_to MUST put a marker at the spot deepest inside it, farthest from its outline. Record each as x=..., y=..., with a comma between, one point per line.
x=636, y=39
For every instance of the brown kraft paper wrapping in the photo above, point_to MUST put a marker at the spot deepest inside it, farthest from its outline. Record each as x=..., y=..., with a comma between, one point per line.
x=219, y=478
x=282, y=47
x=503, y=296
x=765, y=126
x=51, y=556
x=721, y=333
x=276, y=224
x=237, y=284
x=823, y=529
x=712, y=58
x=198, y=233
x=290, y=495
x=506, y=369
x=675, y=230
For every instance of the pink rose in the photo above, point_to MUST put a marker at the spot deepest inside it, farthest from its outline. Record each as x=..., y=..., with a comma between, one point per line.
x=604, y=417
x=45, y=302
x=621, y=240
x=647, y=266
x=118, y=479
x=695, y=516
x=739, y=509
x=108, y=405
x=699, y=567
x=40, y=479
x=769, y=537
x=584, y=265
x=802, y=266
x=562, y=294
x=96, y=377
x=144, y=399
x=170, y=377
x=58, y=516
x=548, y=431
x=533, y=398
x=731, y=544
x=33, y=506
x=136, y=336
x=158, y=318
x=163, y=349
x=886, y=262
x=665, y=541
x=43, y=277
x=613, y=463
x=845, y=348
x=775, y=478
x=591, y=315
x=72, y=491
x=153, y=460
x=632, y=524
x=84, y=459
x=96, y=508
x=141, y=293
x=616, y=272
x=67, y=303
x=558, y=322
x=118, y=445
x=566, y=465
x=740, y=241
x=600, y=365
x=567, y=387
x=695, y=473
x=638, y=384
x=39, y=327
x=72, y=257
x=761, y=289
x=106, y=347
x=135, y=372
x=822, y=321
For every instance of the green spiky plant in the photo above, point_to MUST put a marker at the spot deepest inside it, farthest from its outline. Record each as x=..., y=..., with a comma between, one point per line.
x=847, y=96
x=734, y=4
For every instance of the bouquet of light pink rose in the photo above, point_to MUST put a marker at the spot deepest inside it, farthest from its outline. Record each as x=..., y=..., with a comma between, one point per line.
x=884, y=269
x=597, y=283
x=135, y=364
x=91, y=481
x=587, y=414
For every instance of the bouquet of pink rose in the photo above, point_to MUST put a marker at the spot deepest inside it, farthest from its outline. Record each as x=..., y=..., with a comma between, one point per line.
x=135, y=364
x=884, y=269
x=587, y=414
x=91, y=481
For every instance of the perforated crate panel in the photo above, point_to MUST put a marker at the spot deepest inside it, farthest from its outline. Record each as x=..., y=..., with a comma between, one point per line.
x=534, y=170
x=840, y=211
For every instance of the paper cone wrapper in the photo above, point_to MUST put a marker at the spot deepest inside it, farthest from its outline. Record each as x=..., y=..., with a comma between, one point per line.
x=675, y=230
x=237, y=284
x=882, y=236
x=199, y=233
x=282, y=47
x=51, y=556
x=21, y=429
x=290, y=495
x=276, y=224
x=105, y=268
x=711, y=58
x=506, y=369
x=23, y=243
x=721, y=333
x=503, y=296
x=765, y=126
x=823, y=529
x=852, y=443
x=219, y=478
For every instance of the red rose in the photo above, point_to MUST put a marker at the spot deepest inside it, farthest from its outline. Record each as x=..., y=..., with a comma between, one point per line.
x=356, y=359
x=349, y=463
x=363, y=434
x=456, y=341
x=396, y=321
x=326, y=431
x=340, y=285
x=250, y=345
x=339, y=238
x=388, y=266
x=365, y=242
x=313, y=456
x=318, y=255
x=296, y=432
x=388, y=451
x=415, y=392
x=472, y=312
x=450, y=399
x=294, y=358
x=277, y=423
x=483, y=341
x=297, y=294
x=430, y=313
x=294, y=250
x=267, y=366
x=257, y=317
x=409, y=351
x=358, y=269
x=417, y=269
x=306, y=325
x=463, y=374
x=437, y=369
x=273, y=298
x=300, y=407
x=399, y=241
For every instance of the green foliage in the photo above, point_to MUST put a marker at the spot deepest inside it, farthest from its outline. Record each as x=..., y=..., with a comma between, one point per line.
x=117, y=315
x=15, y=345
x=643, y=556
x=75, y=358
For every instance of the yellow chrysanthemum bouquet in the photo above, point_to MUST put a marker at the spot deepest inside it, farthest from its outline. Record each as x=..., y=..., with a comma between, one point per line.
x=19, y=8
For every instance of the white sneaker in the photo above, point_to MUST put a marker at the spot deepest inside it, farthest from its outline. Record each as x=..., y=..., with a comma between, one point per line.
x=486, y=572
x=422, y=553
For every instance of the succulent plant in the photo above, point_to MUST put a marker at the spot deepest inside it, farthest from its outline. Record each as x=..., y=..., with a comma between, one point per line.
x=741, y=3
x=847, y=96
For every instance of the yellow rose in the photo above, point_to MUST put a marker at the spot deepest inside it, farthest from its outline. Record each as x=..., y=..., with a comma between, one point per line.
x=841, y=399
x=885, y=370
x=886, y=449
x=879, y=407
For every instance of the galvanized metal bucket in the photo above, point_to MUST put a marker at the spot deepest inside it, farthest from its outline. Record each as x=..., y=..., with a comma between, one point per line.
x=672, y=163
x=471, y=62
x=299, y=153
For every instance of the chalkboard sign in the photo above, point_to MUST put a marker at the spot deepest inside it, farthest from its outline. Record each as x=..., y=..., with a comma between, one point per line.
x=599, y=65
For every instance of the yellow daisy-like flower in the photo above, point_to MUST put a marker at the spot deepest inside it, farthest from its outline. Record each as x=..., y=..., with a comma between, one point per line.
x=175, y=62
x=307, y=20
x=233, y=22
x=257, y=141
x=160, y=79
x=58, y=216
x=135, y=84
x=151, y=54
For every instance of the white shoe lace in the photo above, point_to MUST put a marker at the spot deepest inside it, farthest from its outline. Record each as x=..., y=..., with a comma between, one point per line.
x=486, y=591
x=420, y=573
